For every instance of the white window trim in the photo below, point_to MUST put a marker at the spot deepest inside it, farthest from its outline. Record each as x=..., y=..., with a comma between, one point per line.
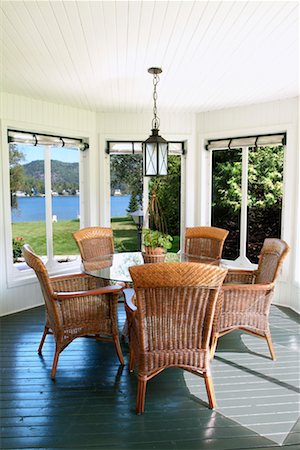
x=242, y=260
x=288, y=184
x=104, y=187
x=15, y=277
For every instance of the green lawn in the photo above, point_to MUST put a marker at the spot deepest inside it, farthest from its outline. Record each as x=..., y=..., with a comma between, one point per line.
x=33, y=233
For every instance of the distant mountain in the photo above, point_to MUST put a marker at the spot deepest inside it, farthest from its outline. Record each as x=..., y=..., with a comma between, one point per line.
x=65, y=176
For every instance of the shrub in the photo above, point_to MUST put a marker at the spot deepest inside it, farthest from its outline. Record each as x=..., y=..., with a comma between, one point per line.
x=17, y=244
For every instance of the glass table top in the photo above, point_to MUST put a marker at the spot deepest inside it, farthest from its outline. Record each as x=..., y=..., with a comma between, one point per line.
x=116, y=267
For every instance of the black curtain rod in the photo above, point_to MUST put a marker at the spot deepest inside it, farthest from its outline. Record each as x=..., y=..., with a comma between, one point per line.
x=247, y=137
x=86, y=145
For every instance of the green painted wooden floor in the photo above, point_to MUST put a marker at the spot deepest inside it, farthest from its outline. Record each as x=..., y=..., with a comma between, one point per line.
x=91, y=403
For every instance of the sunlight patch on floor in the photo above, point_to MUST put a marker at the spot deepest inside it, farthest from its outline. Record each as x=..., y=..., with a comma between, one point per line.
x=253, y=390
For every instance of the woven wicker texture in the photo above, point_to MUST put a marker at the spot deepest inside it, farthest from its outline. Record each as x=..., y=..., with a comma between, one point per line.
x=271, y=259
x=172, y=323
x=205, y=241
x=85, y=311
x=94, y=242
x=244, y=302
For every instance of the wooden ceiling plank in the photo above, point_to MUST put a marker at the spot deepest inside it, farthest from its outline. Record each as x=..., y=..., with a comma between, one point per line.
x=95, y=55
x=48, y=27
x=268, y=47
x=26, y=69
x=77, y=60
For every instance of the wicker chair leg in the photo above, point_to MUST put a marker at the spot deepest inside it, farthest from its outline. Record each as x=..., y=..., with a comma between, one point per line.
x=271, y=348
x=141, y=394
x=43, y=339
x=55, y=361
x=210, y=391
x=118, y=349
x=131, y=361
x=213, y=346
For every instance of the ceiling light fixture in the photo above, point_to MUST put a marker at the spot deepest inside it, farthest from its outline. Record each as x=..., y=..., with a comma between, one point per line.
x=155, y=147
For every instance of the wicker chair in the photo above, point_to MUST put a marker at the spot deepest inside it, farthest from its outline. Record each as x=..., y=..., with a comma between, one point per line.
x=205, y=241
x=245, y=298
x=75, y=307
x=170, y=326
x=93, y=243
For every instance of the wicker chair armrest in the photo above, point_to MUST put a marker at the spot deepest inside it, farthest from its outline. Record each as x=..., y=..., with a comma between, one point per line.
x=90, y=293
x=129, y=295
x=239, y=276
x=247, y=287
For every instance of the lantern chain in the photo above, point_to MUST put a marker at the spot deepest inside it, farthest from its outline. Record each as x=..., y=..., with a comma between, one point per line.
x=155, y=120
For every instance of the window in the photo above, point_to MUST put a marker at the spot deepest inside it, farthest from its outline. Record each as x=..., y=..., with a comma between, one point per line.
x=45, y=197
x=226, y=197
x=247, y=189
x=130, y=191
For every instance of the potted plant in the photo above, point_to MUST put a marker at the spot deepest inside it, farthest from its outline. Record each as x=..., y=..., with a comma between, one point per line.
x=17, y=244
x=156, y=245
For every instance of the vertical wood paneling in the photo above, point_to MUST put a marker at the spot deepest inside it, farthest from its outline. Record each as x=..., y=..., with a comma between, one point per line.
x=24, y=109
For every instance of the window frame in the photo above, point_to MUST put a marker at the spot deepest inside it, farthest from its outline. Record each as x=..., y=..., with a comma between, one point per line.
x=242, y=261
x=104, y=187
x=14, y=276
x=134, y=143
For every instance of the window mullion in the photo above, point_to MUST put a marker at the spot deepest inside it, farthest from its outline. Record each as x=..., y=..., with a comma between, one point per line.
x=48, y=205
x=244, y=204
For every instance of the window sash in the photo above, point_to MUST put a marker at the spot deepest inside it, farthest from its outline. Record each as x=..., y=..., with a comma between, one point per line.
x=242, y=258
x=50, y=258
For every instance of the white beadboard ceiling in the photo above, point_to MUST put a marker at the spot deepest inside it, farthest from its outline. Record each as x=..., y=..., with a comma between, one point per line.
x=95, y=55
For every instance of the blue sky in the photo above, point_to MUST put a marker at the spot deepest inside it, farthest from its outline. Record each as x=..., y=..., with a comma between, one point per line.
x=32, y=153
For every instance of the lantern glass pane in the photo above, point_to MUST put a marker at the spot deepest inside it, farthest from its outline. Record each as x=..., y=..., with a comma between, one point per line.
x=150, y=159
x=163, y=159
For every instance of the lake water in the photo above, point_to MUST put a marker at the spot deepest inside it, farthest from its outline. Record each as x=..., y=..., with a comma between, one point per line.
x=64, y=207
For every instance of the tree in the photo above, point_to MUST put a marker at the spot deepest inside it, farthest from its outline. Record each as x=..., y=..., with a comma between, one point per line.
x=127, y=174
x=168, y=193
x=265, y=178
x=133, y=204
x=16, y=173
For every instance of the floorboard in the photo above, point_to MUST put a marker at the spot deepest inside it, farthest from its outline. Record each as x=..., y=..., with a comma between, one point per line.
x=91, y=403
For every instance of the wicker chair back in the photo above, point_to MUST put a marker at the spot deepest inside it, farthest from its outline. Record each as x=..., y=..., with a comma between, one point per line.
x=175, y=304
x=205, y=241
x=94, y=242
x=35, y=262
x=271, y=259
